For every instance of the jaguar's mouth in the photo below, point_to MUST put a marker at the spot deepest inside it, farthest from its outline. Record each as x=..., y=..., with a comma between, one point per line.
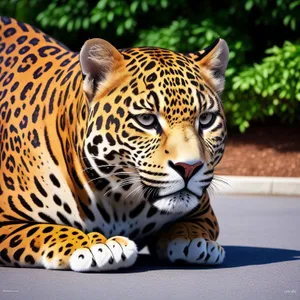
x=181, y=193
x=179, y=202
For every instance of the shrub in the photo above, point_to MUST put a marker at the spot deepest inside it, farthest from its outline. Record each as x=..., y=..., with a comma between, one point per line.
x=271, y=88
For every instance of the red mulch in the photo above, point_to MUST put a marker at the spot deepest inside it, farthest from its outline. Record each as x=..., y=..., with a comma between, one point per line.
x=266, y=150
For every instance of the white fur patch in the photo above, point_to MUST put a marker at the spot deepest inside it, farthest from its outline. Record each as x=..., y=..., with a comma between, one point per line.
x=196, y=251
x=101, y=257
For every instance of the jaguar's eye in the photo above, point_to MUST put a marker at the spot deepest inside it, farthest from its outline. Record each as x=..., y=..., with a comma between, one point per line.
x=147, y=120
x=207, y=120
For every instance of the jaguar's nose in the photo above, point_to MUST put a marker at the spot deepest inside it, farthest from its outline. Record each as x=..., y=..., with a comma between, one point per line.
x=186, y=171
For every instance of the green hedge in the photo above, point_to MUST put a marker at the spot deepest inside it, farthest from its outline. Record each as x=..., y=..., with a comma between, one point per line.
x=262, y=76
x=271, y=88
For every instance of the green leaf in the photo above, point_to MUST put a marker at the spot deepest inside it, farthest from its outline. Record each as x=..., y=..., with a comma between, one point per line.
x=286, y=20
x=236, y=85
x=134, y=5
x=293, y=24
x=294, y=4
x=249, y=5
x=96, y=17
x=128, y=24
x=164, y=3
x=120, y=29
x=110, y=16
x=70, y=25
x=77, y=24
x=101, y=4
x=282, y=94
x=62, y=22
x=144, y=6
x=86, y=23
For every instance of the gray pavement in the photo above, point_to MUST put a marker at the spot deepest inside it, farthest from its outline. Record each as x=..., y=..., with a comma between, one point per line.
x=261, y=236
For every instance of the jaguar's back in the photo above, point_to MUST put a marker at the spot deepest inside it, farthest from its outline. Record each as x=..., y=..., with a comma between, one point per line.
x=40, y=84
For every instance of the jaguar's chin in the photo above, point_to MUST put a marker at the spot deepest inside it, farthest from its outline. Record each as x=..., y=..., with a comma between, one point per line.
x=178, y=203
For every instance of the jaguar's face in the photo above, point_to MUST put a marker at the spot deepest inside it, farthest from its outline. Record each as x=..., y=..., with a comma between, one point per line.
x=159, y=115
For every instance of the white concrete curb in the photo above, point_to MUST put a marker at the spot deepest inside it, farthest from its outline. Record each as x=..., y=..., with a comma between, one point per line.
x=279, y=186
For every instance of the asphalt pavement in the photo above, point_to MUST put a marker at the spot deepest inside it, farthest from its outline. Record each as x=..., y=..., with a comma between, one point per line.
x=261, y=236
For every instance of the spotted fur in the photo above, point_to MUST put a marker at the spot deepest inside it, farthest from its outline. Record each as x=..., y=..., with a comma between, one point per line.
x=84, y=177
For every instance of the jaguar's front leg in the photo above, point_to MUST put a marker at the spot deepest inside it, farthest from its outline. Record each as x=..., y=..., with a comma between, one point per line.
x=63, y=247
x=192, y=239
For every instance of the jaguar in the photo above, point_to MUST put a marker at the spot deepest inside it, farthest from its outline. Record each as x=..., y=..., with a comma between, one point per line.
x=105, y=151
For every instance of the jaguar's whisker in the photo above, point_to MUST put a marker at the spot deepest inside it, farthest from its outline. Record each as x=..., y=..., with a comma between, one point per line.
x=134, y=190
x=121, y=185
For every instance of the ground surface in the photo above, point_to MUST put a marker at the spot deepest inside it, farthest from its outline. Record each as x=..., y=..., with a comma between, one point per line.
x=269, y=150
x=261, y=238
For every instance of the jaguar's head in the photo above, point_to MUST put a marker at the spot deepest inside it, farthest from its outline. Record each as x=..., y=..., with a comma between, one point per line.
x=156, y=121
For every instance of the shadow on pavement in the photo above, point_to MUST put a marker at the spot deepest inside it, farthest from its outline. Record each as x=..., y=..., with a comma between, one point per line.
x=236, y=256
x=241, y=256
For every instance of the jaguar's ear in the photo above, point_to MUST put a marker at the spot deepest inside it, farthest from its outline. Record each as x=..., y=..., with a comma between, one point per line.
x=98, y=59
x=213, y=61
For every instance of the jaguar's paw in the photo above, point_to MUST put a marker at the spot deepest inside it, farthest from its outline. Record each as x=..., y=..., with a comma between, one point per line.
x=196, y=251
x=117, y=252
